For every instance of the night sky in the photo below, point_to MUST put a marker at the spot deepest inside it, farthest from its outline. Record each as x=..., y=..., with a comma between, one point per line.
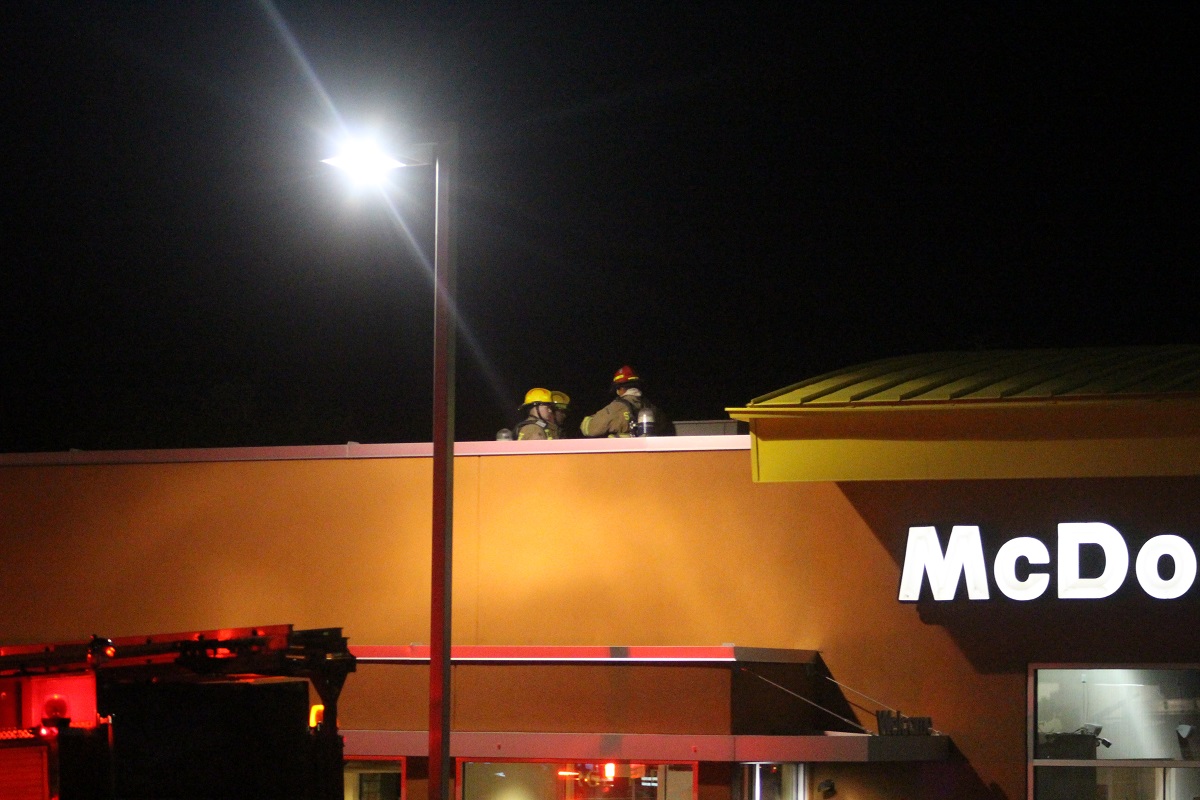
x=730, y=197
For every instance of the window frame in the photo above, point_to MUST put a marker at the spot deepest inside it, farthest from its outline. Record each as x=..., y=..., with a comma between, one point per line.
x=402, y=761
x=1031, y=711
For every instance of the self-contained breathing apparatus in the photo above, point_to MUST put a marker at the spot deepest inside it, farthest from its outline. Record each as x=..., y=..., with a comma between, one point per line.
x=641, y=420
x=645, y=422
x=641, y=414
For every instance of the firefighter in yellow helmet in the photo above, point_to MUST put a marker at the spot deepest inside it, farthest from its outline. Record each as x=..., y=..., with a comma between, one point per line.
x=628, y=414
x=562, y=404
x=539, y=421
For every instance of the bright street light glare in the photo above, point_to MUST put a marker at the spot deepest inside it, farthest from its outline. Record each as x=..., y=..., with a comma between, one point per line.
x=363, y=161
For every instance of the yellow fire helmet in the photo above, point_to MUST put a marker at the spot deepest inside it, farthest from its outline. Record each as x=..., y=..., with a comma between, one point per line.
x=560, y=399
x=537, y=396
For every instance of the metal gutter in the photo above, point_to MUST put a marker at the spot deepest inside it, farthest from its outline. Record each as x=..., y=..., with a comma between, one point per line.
x=589, y=654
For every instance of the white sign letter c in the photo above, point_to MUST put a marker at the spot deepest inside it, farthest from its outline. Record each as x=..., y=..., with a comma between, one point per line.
x=1032, y=551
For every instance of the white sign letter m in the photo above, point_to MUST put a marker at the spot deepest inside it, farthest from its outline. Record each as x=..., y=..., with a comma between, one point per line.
x=923, y=556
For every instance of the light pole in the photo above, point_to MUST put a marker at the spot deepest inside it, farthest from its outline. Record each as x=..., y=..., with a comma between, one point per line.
x=364, y=161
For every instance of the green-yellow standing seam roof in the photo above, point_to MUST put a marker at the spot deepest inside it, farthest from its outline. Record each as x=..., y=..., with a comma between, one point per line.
x=1084, y=412
x=999, y=375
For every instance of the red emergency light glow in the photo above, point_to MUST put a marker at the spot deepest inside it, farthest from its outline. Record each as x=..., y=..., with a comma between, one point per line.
x=60, y=697
x=56, y=707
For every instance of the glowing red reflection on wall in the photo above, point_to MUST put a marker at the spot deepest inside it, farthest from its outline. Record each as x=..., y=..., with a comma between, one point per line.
x=74, y=693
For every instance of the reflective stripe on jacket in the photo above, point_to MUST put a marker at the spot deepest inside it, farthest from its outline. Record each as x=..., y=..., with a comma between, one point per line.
x=614, y=420
x=536, y=429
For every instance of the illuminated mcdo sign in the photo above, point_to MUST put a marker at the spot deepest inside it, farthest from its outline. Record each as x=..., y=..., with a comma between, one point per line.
x=963, y=559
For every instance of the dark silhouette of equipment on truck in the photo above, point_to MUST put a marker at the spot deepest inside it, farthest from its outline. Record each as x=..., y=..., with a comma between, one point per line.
x=245, y=712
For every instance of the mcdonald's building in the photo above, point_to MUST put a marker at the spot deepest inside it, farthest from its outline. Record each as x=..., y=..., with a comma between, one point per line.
x=953, y=575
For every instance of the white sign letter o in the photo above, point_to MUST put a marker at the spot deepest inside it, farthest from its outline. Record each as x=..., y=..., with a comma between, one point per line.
x=1147, y=566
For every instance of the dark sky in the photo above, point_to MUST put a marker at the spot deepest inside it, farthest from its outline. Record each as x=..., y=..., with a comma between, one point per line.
x=730, y=197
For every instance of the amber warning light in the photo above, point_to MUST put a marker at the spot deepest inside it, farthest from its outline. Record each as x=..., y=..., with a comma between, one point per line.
x=100, y=650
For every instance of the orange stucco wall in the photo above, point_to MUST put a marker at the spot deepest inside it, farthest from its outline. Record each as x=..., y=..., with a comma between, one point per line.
x=613, y=548
x=628, y=548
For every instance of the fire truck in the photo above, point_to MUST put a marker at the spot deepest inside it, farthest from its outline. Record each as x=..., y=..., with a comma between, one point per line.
x=243, y=712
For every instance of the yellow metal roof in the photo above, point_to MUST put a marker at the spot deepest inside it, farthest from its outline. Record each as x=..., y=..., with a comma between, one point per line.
x=1088, y=412
x=998, y=375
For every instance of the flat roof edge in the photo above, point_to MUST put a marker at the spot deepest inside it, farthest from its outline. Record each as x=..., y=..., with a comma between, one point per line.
x=355, y=450
x=585, y=654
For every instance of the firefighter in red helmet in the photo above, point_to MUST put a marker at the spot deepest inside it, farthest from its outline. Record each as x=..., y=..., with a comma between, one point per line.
x=629, y=413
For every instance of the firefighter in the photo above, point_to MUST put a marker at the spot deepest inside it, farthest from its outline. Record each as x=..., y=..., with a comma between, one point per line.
x=628, y=414
x=562, y=403
x=539, y=421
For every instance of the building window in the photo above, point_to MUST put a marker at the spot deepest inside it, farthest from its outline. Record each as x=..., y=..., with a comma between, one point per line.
x=373, y=779
x=773, y=782
x=1112, y=732
x=577, y=780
